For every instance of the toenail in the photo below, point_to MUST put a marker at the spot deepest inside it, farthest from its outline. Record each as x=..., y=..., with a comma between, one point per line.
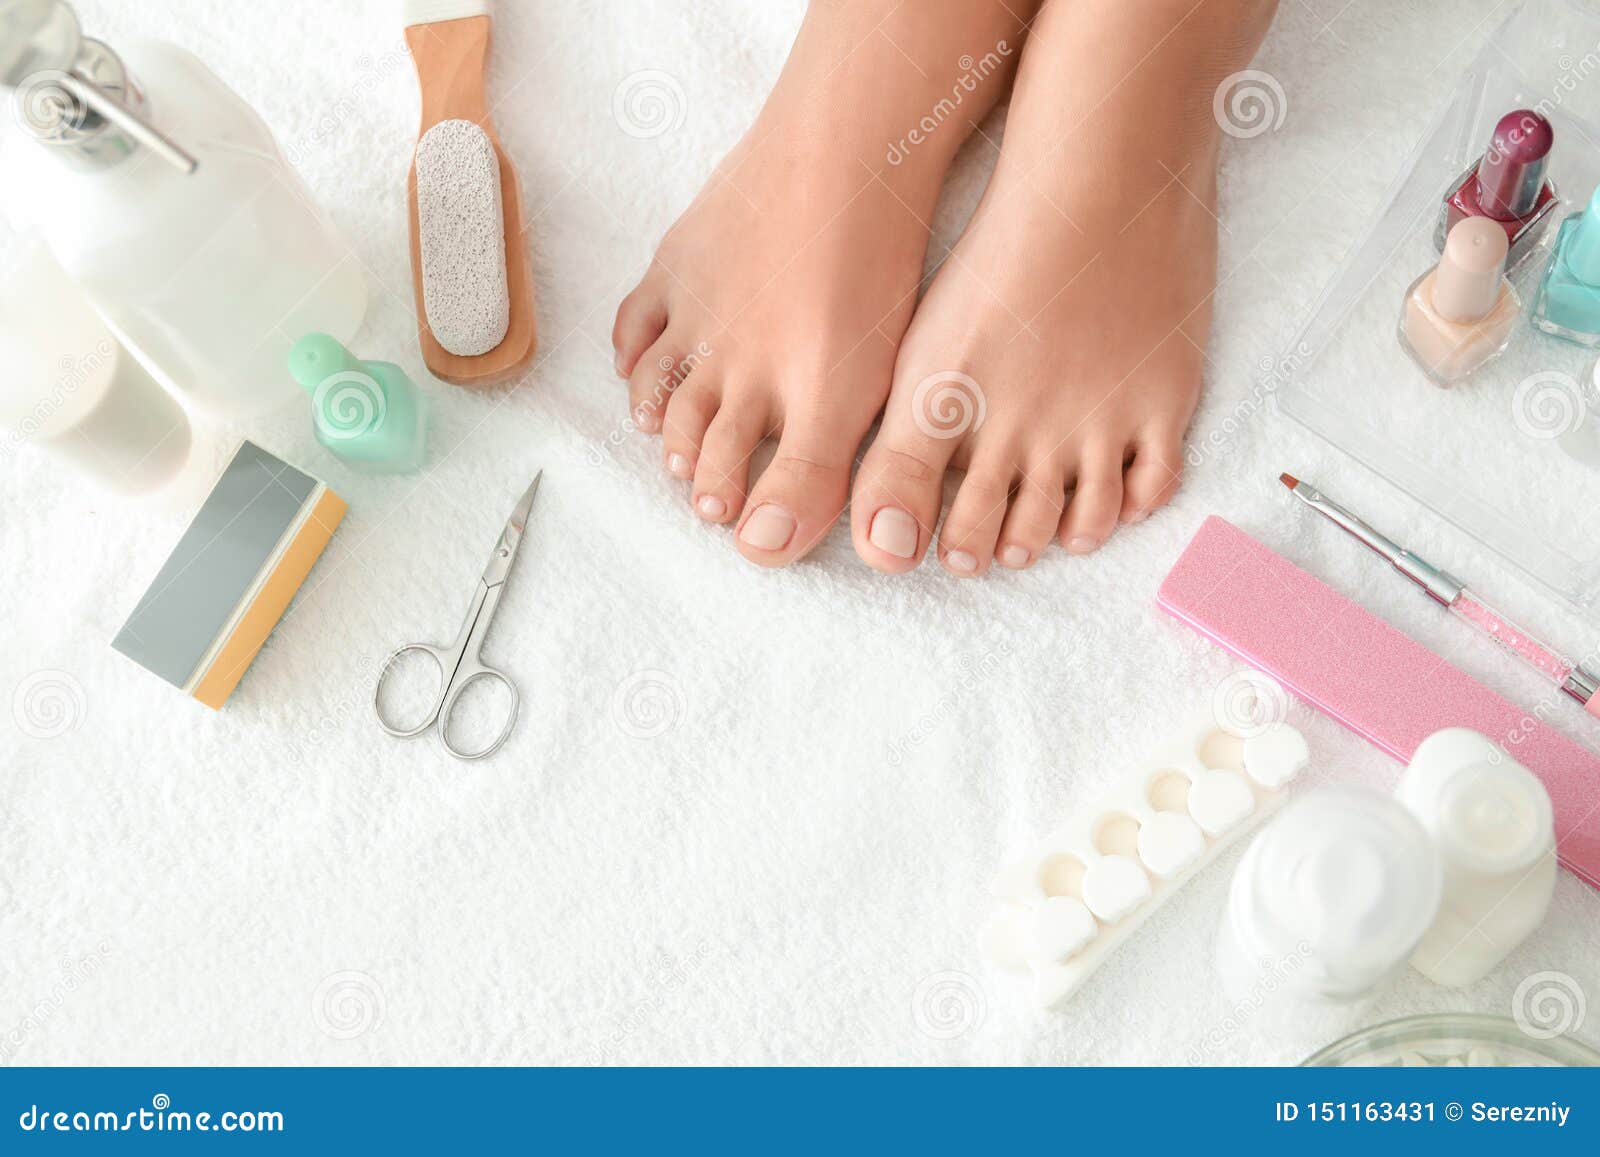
x=621, y=371
x=961, y=561
x=1083, y=544
x=710, y=506
x=1138, y=515
x=893, y=531
x=679, y=465
x=769, y=527
x=645, y=418
x=1015, y=557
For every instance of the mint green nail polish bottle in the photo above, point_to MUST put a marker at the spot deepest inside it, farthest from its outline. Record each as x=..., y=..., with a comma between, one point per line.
x=368, y=413
x=1568, y=303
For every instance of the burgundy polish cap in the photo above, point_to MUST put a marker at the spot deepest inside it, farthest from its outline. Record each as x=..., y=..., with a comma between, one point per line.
x=1511, y=172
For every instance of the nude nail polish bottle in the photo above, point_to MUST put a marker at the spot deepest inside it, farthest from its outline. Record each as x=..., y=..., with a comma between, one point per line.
x=1568, y=302
x=1507, y=184
x=1459, y=314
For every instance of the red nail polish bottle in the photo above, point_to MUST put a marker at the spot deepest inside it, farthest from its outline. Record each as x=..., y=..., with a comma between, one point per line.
x=1507, y=184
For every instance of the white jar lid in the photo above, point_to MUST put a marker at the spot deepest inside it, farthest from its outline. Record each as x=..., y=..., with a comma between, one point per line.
x=1488, y=813
x=1336, y=892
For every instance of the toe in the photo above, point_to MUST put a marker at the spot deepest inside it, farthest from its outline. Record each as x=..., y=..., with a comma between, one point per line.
x=1153, y=478
x=898, y=491
x=800, y=495
x=722, y=473
x=1092, y=512
x=967, y=538
x=690, y=410
x=655, y=375
x=1032, y=520
x=641, y=318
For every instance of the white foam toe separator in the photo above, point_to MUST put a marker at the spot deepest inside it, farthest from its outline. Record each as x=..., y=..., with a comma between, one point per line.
x=1084, y=888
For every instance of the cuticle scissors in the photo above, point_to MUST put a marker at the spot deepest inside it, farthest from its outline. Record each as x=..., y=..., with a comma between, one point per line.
x=460, y=664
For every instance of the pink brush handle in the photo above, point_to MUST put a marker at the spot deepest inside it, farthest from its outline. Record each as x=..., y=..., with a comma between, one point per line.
x=1378, y=682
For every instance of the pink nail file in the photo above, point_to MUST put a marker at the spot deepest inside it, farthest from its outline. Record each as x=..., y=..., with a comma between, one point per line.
x=1380, y=683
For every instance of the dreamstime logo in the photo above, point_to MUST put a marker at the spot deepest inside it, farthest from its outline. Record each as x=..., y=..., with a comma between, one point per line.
x=972, y=675
x=667, y=978
x=347, y=1004
x=647, y=704
x=974, y=71
x=1271, y=975
x=335, y=714
x=75, y=973
x=1548, y=1004
x=48, y=704
x=1548, y=404
x=673, y=372
x=349, y=404
x=1247, y=704
x=371, y=71
x=948, y=1004
x=1275, y=372
x=649, y=103
x=948, y=404
x=72, y=374
x=1249, y=103
x=45, y=107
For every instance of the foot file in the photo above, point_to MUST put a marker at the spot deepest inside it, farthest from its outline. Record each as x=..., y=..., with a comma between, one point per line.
x=469, y=260
x=231, y=576
x=1377, y=681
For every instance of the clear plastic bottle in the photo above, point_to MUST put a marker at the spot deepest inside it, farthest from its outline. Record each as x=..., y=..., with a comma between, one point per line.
x=209, y=270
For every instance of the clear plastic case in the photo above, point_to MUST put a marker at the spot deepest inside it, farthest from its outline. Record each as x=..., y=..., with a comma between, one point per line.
x=1512, y=454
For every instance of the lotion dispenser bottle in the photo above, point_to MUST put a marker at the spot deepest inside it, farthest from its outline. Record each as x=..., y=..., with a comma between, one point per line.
x=166, y=197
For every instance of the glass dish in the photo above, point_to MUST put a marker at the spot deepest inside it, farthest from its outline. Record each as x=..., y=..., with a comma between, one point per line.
x=1453, y=1039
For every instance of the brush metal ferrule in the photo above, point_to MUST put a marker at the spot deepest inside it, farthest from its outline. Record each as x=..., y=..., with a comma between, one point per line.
x=1441, y=586
x=1581, y=685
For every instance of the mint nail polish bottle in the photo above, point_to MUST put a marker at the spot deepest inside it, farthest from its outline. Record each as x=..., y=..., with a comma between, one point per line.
x=1568, y=303
x=368, y=413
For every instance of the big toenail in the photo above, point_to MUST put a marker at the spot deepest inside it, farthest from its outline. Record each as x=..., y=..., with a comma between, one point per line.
x=893, y=531
x=710, y=506
x=679, y=465
x=1082, y=544
x=769, y=527
x=1015, y=557
x=962, y=561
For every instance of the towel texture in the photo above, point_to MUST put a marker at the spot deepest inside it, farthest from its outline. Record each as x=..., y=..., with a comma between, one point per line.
x=745, y=816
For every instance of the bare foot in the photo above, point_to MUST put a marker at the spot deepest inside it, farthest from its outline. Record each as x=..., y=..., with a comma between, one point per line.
x=776, y=303
x=1057, y=357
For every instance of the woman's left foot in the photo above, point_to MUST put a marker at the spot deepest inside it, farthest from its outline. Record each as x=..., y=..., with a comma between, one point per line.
x=1057, y=357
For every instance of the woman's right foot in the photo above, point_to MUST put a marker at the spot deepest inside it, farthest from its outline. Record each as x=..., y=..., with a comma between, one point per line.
x=777, y=302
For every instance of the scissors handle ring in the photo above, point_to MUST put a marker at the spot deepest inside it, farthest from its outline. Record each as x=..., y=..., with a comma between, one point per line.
x=439, y=657
x=462, y=681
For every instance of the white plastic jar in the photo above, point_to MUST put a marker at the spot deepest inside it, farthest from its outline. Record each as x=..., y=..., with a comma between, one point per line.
x=1329, y=900
x=71, y=389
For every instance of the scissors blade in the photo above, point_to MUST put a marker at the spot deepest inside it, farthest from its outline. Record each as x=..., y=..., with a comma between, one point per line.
x=519, y=515
x=505, y=548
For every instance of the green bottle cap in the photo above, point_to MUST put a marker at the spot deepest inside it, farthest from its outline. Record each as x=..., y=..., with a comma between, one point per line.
x=316, y=357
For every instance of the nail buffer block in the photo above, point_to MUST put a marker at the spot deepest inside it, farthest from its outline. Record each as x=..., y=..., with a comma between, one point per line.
x=1374, y=679
x=231, y=576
